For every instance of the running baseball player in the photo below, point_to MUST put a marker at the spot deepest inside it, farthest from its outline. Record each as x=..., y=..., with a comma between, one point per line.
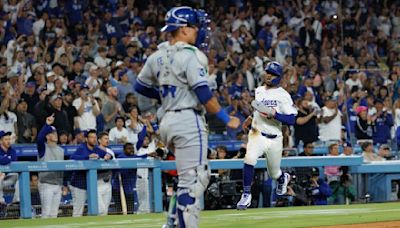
x=176, y=75
x=273, y=107
x=50, y=183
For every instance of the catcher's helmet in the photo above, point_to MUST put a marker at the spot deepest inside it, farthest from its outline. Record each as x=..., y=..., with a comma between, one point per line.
x=186, y=16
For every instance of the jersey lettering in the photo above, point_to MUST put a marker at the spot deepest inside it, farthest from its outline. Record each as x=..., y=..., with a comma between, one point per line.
x=269, y=103
x=166, y=89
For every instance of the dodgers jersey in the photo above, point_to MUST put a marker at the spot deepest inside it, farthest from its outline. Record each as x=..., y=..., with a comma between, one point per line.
x=280, y=100
x=177, y=71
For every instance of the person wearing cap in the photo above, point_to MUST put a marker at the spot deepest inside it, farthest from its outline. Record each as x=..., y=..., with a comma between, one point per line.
x=7, y=153
x=354, y=79
x=93, y=81
x=12, y=80
x=124, y=87
x=50, y=77
x=382, y=121
x=87, y=109
x=385, y=152
x=347, y=149
x=86, y=151
x=79, y=137
x=364, y=124
x=50, y=183
x=331, y=121
x=317, y=189
x=62, y=121
x=26, y=123
x=30, y=96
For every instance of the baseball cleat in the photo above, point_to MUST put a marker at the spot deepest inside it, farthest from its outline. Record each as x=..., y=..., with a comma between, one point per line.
x=244, y=202
x=283, y=181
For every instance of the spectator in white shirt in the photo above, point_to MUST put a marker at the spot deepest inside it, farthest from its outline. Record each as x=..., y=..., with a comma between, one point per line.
x=241, y=20
x=353, y=80
x=93, y=81
x=8, y=120
x=87, y=109
x=119, y=134
x=101, y=60
x=330, y=127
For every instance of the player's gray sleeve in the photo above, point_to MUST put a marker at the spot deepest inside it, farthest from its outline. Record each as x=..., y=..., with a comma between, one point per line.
x=196, y=73
x=147, y=75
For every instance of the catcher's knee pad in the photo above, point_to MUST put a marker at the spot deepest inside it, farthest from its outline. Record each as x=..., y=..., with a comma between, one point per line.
x=188, y=209
x=202, y=180
x=195, y=180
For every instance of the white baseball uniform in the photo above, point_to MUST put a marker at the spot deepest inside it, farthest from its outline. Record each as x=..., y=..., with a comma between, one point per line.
x=104, y=187
x=266, y=134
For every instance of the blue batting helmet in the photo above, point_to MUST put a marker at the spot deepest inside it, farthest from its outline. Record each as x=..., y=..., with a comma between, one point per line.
x=186, y=16
x=276, y=69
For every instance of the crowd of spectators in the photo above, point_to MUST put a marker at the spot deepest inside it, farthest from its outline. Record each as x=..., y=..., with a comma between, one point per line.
x=79, y=60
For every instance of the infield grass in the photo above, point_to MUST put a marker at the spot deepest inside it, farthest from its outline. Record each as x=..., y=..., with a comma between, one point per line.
x=263, y=217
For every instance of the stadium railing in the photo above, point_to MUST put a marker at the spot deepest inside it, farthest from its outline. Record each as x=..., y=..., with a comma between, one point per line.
x=30, y=150
x=155, y=167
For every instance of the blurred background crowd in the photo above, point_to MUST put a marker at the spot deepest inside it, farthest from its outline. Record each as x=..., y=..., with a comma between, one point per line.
x=79, y=60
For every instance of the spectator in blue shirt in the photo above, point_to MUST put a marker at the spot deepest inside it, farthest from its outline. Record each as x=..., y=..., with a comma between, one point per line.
x=236, y=109
x=318, y=190
x=7, y=153
x=265, y=37
x=383, y=122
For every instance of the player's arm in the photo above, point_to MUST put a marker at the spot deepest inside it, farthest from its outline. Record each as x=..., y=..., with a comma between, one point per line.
x=41, y=139
x=196, y=74
x=288, y=119
x=212, y=106
x=247, y=123
x=145, y=81
x=147, y=90
x=80, y=154
x=141, y=137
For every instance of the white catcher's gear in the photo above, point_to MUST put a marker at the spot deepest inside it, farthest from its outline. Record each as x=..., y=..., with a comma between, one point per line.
x=190, y=212
x=203, y=178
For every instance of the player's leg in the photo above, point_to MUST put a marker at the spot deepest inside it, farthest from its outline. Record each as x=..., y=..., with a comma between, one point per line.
x=254, y=150
x=78, y=201
x=274, y=157
x=55, y=201
x=107, y=196
x=190, y=144
x=45, y=199
x=101, y=195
